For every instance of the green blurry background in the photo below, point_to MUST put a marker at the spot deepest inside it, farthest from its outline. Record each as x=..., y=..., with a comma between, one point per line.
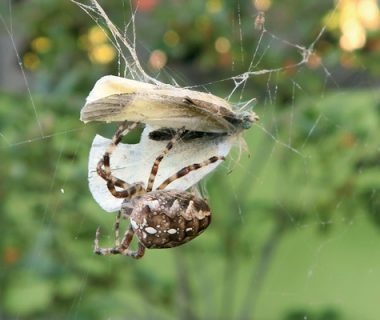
x=295, y=232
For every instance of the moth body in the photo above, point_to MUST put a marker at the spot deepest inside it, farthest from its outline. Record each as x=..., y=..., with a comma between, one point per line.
x=119, y=99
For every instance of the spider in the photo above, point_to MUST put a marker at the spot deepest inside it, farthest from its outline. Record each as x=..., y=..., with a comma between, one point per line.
x=159, y=218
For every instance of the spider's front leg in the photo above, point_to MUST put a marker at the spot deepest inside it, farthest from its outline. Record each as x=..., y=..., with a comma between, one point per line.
x=156, y=164
x=128, y=191
x=104, y=168
x=122, y=248
x=104, y=251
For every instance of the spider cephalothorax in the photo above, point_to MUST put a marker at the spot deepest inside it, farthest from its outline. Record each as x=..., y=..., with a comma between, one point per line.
x=159, y=218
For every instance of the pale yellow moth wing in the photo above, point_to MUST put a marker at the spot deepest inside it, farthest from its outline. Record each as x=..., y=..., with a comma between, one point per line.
x=155, y=110
x=119, y=99
x=132, y=163
x=109, y=85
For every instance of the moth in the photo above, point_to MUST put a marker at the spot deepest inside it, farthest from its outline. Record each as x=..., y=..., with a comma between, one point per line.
x=119, y=99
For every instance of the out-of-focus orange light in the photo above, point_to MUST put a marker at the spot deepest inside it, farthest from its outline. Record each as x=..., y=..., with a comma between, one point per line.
x=158, y=59
x=353, y=37
x=368, y=13
x=262, y=5
x=222, y=45
x=355, y=16
x=314, y=61
x=145, y=5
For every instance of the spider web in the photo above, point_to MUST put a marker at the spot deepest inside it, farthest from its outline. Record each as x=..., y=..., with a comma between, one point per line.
x=294, y=219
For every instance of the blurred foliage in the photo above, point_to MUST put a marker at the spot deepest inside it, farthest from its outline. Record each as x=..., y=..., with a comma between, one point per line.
x=313, y=167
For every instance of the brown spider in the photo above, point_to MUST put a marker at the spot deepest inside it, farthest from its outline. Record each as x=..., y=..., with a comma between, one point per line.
x=159, y=218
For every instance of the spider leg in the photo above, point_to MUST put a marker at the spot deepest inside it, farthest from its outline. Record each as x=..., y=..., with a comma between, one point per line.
x=118, y=248
x=132, y=190
x=117, y=229
x=136, y=254
x=186, y=170
x=129, y=190
x=139, y=253
x=103, y=251
x=122, y=248
x=104, y=169
x=158, y=160
x=115, y=181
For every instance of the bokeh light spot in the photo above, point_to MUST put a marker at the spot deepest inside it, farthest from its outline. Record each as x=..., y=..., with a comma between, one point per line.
x=262, y=5
x=102, y=54
x=314, y=61
x=31, y=60
x=353, y=35
x=96, y=36
x=41, y=44
x=145, y=5
x=355, y=18
x=369, y=15
x=171, y=38
x=222, y=45
x=214, y=6
x=157, y=59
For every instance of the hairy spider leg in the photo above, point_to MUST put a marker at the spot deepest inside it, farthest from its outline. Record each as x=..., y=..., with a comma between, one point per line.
x=122, y=248
x=156, y=164
x=119, y=248
x=117, y=229
x=122, y=130
x=104, y=171
x=104, y=168
x=186, y=170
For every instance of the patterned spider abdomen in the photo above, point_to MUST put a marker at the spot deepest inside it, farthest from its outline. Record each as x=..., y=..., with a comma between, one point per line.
x=167, y=218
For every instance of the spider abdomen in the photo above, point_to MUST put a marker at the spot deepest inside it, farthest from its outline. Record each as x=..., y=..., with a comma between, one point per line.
x=168, y=218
